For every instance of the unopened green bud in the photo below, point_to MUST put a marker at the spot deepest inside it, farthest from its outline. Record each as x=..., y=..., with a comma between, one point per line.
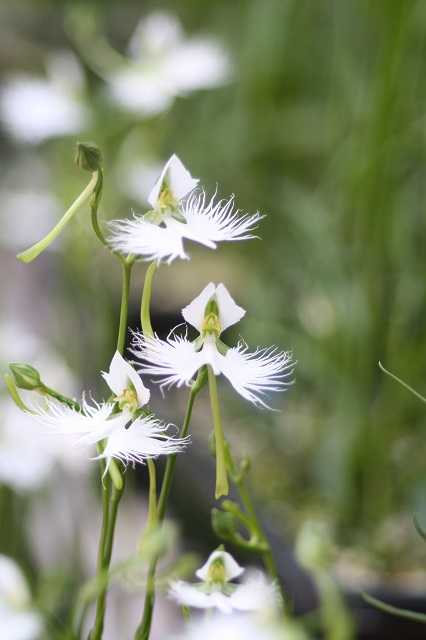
x=314, y=547
x=89, y=156
x=225, y=525
x=25, y=376
x=245, y=465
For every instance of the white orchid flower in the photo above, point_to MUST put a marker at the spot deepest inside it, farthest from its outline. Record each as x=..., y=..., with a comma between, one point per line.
x=129, y=438
x=162, y=65
x=216, y=591
x=177, y=359
x=159, y=234
x=17, y=621
x=33, y=109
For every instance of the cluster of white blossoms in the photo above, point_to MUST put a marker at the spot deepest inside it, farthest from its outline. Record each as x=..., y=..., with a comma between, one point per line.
x=216, y=591
x=179, y=211
x=130, y=434
x=177, y=359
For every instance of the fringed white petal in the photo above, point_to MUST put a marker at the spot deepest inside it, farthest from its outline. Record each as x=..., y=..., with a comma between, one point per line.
x=61, y=418
x=175, y=359
x=209, y=223
x=255, y=594
x=255, y=374
x=147, y=240
x=143, y=438
x=119, y=377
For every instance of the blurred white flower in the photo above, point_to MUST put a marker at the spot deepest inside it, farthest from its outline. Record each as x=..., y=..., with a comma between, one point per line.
x=241, y=627
x=177, y=359
x=33, y=109
x=162, y=64
x=159, y=234
x=216, y=591
x=17, y=622
x=129, y=438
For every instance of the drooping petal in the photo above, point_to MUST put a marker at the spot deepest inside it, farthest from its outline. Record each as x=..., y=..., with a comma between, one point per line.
x=211, y=223
x=194, y=311
x=174, y=177
x=255, y=374
x=175, y=359
x=119, y=377
x=232, y=568
x=146, y=240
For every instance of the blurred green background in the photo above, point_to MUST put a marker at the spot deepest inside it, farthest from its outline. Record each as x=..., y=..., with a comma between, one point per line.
x=321, y=126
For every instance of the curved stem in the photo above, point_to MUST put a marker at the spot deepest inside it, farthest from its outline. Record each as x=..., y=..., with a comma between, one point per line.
x=36, y=249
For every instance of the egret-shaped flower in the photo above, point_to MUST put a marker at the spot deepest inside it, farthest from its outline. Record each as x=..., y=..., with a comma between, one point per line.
x=217, y=591
x=130, y=434
x=177, y=359
x=33, y=109
x=162, y=65
x=159, y=234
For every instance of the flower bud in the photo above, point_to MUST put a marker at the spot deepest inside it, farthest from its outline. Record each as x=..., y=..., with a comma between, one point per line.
x=89, y=156
x=26, y=377
x=225, y=525
x=314, y=547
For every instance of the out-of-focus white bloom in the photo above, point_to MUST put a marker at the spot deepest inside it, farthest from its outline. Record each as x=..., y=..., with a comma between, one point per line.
x=177, y=359
x=37, y=214
x=159, y=234
x=217, y=592
x=25, y=462
x=17, y=622
x=33, y=109
x=129, y=438
x=162, y=65
x=240, y=627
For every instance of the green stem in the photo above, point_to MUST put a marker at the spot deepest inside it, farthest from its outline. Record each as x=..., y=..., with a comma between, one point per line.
x=221, y=477
x=124, y=311
x=152, y=509
x=143, y=631
x=36, y=249
x=146, y=300
x=111, y=496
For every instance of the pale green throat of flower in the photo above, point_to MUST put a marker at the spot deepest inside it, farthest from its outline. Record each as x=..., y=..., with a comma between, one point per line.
x=128, y=399
x=166, y=202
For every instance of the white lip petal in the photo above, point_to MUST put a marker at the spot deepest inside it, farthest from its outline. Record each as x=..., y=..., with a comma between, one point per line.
x=194, y=311
x=255, y=374
x=232, y=568
x=175, y=359
x=146, y=240
x=102, y=431
x=120, y=374
x=177, y=178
